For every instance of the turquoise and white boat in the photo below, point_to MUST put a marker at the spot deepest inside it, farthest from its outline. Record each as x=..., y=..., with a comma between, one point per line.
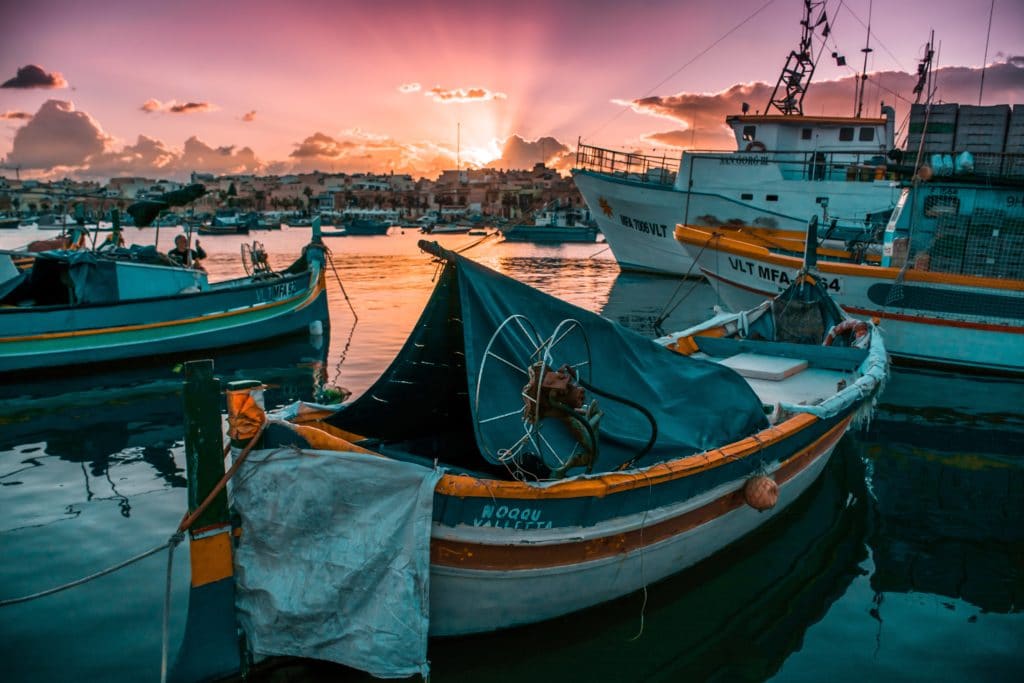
x=75, y=307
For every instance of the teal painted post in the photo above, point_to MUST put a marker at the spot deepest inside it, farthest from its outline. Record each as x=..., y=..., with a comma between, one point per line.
x=204, y=449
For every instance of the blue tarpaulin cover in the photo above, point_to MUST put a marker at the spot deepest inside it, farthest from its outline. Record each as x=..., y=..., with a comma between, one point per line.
x=444, y=381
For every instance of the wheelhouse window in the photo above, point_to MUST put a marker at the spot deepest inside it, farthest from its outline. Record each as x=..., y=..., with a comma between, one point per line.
x=747, y=196
x=771, y=197
x=846, y=134
x=805, y=134
x=867, y=134
x=749, y=132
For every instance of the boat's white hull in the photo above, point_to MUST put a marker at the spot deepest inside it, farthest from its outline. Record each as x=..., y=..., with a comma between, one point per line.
x=959, y=335
x=637, y=221
x=464, y=601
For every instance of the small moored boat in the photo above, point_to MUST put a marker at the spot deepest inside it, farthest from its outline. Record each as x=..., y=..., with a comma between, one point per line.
x=74, y=307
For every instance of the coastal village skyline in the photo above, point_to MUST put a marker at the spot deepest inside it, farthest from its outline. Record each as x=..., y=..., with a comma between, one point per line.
x=416, y=88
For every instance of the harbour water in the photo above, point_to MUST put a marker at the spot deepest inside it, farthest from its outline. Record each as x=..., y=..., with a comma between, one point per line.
x=904, y=562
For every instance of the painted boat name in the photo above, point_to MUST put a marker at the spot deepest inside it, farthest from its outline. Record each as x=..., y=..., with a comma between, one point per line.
x=743, y=160
x=656, y=229
x=511, y=517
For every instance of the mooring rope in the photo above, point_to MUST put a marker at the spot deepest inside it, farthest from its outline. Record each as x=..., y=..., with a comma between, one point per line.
x=87, y=579
x=187, y=521
x=330, y=259
x=667, y=311
x=166, y=636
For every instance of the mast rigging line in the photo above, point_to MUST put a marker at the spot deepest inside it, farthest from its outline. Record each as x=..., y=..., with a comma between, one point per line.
x=684, y=66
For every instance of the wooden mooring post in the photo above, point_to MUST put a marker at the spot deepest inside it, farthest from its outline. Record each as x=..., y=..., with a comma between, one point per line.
x=210, y=647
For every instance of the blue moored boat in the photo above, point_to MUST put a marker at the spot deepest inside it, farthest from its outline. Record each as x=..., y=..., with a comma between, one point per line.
x=79, y=307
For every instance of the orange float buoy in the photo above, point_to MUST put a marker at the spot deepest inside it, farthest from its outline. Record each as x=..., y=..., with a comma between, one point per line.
x=761, y=493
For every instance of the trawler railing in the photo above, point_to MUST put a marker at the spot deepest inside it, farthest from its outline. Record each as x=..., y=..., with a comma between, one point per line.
x=845, y=165
x=644, y=168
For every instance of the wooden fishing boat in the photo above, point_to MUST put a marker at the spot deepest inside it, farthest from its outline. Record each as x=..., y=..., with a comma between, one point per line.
x=76, y=307
x=557, y=460
x=946, y=279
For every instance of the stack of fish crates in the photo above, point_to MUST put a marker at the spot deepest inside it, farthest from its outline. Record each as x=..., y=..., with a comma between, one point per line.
x=982, y=132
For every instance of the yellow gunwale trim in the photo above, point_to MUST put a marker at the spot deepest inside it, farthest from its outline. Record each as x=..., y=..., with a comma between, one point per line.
x=464, y=486
x=169, y=323
x=736, y=244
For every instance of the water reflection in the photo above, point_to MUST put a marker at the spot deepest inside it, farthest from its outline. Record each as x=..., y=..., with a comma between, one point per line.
x=108, y=423
x=945, y=465
x=653, y=305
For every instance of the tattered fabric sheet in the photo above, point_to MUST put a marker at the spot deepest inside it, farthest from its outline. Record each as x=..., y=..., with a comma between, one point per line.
x=334, y=558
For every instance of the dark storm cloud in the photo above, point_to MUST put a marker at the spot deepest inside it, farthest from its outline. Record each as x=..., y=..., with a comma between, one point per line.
x=35, y=76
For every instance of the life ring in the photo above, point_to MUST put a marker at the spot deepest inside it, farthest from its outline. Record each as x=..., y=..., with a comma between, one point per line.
x=756, y=146
x=859, y=328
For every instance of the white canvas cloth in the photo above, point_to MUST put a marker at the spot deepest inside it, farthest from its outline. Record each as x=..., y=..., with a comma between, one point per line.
x=334, y=558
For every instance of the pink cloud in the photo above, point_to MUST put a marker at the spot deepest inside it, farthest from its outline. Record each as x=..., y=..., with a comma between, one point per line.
x=153, y=105
x=57, y=136
x=706, y=112
x=460, y=95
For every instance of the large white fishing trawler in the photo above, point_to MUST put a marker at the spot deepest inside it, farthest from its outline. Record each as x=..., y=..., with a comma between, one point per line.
x=785, y=168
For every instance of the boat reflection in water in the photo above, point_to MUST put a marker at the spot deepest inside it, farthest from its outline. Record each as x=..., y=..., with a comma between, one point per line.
x=945, y=464
x=119, y=418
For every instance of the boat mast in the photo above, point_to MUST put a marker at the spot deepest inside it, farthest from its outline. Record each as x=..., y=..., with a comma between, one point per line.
x=864, y=72
x=924, y=69
x=788, y=95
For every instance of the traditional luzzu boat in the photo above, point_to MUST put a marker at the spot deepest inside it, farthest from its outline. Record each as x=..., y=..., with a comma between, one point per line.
x=946, y=280
x=78, y=307
x=520, y=459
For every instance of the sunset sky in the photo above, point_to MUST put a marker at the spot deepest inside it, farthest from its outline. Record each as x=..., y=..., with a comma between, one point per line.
x=163, y=88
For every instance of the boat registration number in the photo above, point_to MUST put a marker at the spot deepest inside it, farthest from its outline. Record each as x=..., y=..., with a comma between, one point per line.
x=777, y=276
x=277, y=291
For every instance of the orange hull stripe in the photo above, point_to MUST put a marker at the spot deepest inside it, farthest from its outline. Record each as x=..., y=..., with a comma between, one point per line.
x=1018, y=329
x=506, y=557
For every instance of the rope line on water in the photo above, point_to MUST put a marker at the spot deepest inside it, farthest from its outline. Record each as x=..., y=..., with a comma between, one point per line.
x=90, y=577
x=330, y=259
x=187, y=521
x=666, y=311
x=166, y=635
